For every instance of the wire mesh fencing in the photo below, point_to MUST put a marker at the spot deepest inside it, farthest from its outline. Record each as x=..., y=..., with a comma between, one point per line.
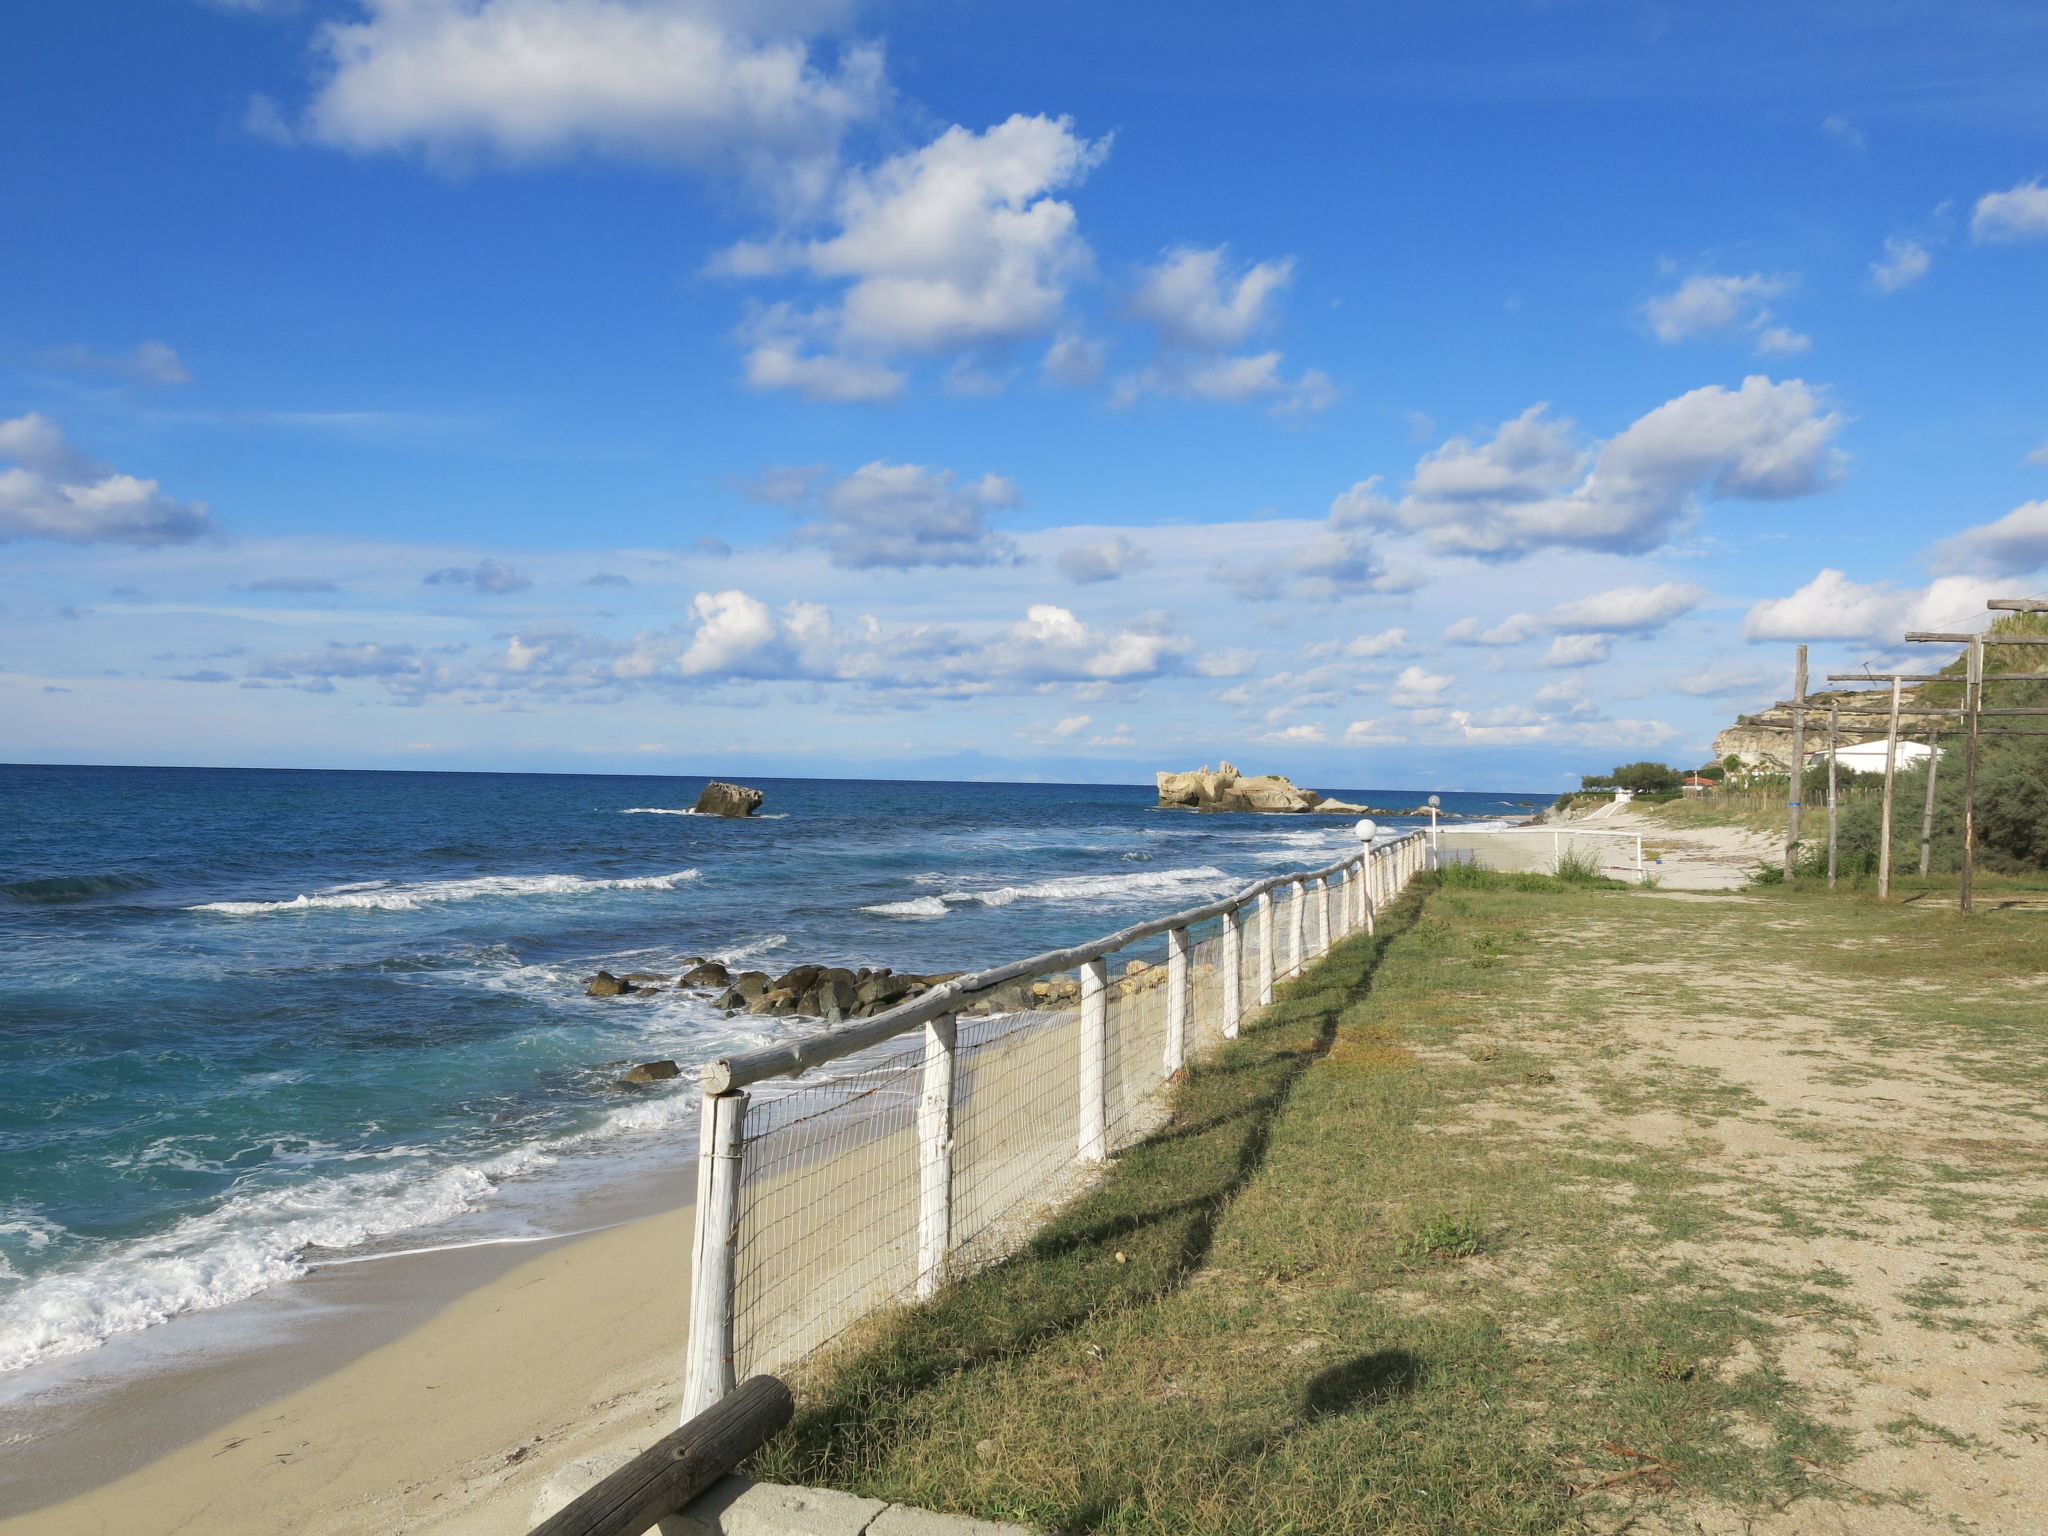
x=935, y=1139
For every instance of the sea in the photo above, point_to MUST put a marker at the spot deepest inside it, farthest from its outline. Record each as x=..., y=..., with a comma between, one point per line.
x=256, y=1020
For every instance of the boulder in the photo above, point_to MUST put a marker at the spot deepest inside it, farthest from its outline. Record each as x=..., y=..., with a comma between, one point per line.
x=605, y=984
x=1342, y=808
x=831, y=997
x=721, y=799
x=1055, y=993
x=776, y=1002
x=745, y=988
x=649, y=1072
x=706, y=973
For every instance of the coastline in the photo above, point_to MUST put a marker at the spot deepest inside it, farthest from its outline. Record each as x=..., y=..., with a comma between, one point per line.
x=449, y=1426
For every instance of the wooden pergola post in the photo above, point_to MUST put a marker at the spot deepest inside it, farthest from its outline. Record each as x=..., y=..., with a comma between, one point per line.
x=1891, y=763
x=1796, y=783
x=1834, y=746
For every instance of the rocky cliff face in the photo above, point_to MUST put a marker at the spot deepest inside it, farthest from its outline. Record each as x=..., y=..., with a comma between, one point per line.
x=1762, y=742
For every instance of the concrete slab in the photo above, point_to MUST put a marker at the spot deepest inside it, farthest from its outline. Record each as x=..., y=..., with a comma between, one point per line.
x=902, y=1520
x=738, y=1506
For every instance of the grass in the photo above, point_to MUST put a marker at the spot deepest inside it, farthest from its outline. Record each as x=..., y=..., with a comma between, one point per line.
x=1346, y=1290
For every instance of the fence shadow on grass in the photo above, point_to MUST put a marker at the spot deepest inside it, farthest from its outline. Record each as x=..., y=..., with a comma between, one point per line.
x=1133, y=1240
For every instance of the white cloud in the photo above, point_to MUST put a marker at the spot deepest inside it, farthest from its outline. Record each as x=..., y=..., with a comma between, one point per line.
x=1720, y=681
x=1844, y=132
x=777, y=360
x=1073, y=725
x=2039, y=455
x=1419, y=688
x=1336, y=562
x=1388, y=642
x=692, y=81
x=1578, y=650
x=1905, y=262
x=1102, y=561
x=955, y=246
x=486, y=576
x=2019, y=213
x=1201, y=310
x=1309, y=734
x=1832, y=607
x=55, y=492
x=1627, y=610
x=2013, y=545
x=1513, y=494
x=1195, y=301
x=1709, y=305
x=1075, y=360
x=1778, y=341
x=896, y=515
x=152, y=362
x=1512, y=630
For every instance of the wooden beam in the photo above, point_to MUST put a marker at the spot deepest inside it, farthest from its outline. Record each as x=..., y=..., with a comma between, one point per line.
x=1934, y=677
x=1891, y=774
x=1973, y=707
x=1991, y=638
x=2019, y=604
x=1795, y=781
x=678, y=1466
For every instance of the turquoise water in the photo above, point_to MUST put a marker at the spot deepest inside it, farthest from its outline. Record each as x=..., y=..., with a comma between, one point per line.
x=252, y=1016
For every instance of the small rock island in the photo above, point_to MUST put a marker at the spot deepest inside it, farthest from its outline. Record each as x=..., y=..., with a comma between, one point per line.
x=1225, y=789
x=721, y=799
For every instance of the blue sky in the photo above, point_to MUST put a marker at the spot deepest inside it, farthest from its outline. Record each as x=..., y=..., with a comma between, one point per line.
x=1466, y=394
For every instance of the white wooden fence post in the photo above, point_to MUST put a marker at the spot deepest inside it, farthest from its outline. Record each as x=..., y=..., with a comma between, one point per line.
x=708, y=1373
x=1094, y=1140
x=1297, y=927
x=1179, y=984
x=1324, y=897
x=935, y=1153
x=1232, y=957
x=1266, y=956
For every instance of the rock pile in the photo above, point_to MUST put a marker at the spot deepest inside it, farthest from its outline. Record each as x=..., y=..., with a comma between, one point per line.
x=1225, y=789
x=721, y=799
x=834, y=993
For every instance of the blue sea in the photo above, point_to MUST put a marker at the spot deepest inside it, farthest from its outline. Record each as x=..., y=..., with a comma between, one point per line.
x=254, y=1019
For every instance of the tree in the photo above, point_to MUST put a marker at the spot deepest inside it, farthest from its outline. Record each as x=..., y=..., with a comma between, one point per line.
x=1647, y=778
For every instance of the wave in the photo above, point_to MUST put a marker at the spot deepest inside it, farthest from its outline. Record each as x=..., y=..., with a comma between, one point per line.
x=56, y=889
x=664, y=810
x=251, y=1242
x=393, y=896
x=1073, y=888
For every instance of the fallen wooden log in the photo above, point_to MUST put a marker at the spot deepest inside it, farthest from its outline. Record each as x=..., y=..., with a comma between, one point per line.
x=679, y=1466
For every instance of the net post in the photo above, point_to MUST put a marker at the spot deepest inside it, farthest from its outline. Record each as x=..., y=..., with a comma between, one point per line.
x=1368, y=867
x=935, y=1152
x=715, y=1243
x=1266, y=937
x=1324, y=896
x=1179, y=986
x=1094, y=1138
x=1231, y=956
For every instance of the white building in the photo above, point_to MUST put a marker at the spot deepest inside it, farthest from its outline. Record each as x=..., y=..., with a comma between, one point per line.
x=1868, y=756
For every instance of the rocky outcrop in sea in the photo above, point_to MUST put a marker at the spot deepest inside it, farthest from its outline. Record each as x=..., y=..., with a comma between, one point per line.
x=1225, y=789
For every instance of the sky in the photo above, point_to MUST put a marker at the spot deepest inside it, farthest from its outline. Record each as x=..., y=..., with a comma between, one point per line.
x=1461, y=395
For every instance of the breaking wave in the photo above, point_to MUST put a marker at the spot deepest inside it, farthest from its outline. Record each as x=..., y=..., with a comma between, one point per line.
x=1093, y=889
x=400, y=896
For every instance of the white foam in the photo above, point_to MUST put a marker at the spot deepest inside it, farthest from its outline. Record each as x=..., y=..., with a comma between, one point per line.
x=665, y=810
x=251, y=1242
x=921, y=906
x=1072, y=888
x=398, y=896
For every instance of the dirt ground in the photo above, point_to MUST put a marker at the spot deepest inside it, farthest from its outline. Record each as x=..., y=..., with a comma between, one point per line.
x=1866, y=1104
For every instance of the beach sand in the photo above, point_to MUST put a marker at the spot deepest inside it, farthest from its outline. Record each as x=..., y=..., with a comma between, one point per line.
x=450, y=1428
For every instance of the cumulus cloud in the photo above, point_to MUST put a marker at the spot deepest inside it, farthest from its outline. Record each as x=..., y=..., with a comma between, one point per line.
x=150, y=362
x=1388, y=642
x=956, y=246
x=1419, y=688
x=1104, y=560
x=52, y=491
x=1905, y=262
x=403, y=669
x=896, y=515
x=1201, y=311
x=2014, y=545
x=1075, y=360
x=2018, y=213
x=1512, y=630
x=1530, y=487
x=1844, y=132
x=487, y=576
x=735, y=635
x=1578, y=650
x=1709, y=305
x=1832, y=607
x=697, y=82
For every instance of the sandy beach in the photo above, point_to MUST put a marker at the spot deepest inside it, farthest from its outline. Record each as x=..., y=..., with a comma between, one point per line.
x=450, y=1427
